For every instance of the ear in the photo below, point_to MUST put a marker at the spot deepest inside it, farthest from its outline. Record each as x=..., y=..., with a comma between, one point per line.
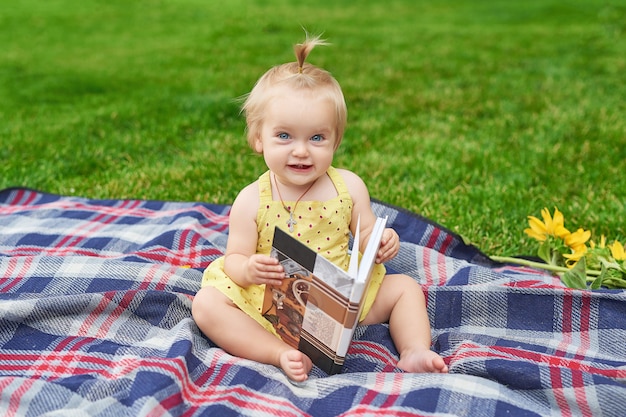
x=258, y=144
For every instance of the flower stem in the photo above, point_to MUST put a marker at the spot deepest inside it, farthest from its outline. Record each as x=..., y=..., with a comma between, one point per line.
x=540, y=265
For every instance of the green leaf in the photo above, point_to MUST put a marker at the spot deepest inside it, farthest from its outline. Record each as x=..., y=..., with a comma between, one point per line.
x=614, y=283
x=557, y=258
x=577, y=276
x=613, y=278
x=544, y=251
x=597, y=283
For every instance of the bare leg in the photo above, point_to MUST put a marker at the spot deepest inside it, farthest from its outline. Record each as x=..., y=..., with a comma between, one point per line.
x=240, y=335
x=400, y=301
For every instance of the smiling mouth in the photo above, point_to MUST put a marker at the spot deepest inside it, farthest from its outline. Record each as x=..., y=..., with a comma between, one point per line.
x=300, y=166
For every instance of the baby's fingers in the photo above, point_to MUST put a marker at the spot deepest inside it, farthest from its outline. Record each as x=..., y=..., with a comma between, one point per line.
x=389, y=247
x=265, y=270
x=383, y=255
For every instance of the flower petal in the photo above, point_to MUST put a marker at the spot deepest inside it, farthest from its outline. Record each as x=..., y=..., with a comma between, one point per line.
x=558, y=219
x=536, y=224
x=578, y=238
x=547, y=219
x=560, y=231
x=537, y=229
x=537, y=236
x=617, y=250
x=573, y=258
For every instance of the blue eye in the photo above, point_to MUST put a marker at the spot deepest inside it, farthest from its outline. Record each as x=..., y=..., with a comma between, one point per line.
x=317, y=138
x=283, y=135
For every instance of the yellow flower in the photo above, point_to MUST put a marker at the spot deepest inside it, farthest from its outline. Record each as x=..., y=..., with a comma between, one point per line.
x=617, y=250
x=572, y=258
x=576, y=241
x=550, y=226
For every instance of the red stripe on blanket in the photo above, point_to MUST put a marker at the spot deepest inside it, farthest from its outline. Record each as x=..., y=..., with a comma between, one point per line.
x=566, y=324
x=580, y=394
x=197, y=393
x=557, y=360
x=382, y=383
x=23, y=197
x=240, y=399
x=23, y=202
x=557, y=365
x=374, y=410
x=432, y=240
x=374, y=351
x=584, y=325
x=73, y=237
x=217, y=369
x=103, y=309
x=17, y=395
x=163, y=255
x=427, y=270
x=575, y=324
x=439, y=266
x=441, y=269
x=556, y=382
x=12, y=279
x=37, y=250
x=192, y=258
x=446, y=243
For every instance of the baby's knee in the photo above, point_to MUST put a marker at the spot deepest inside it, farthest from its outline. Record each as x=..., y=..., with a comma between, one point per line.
x=401, y=282
x=207, y=301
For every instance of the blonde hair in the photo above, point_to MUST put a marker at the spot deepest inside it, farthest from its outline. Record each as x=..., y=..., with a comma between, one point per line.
x=298, y=75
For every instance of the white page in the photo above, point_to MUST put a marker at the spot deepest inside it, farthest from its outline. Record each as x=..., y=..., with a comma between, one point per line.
x=369, y=256
x=353, y=268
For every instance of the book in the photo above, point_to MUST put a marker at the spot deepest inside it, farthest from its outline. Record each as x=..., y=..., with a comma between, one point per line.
x=316, y=308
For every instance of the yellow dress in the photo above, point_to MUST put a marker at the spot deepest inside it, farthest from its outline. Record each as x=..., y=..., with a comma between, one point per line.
x=324, y=226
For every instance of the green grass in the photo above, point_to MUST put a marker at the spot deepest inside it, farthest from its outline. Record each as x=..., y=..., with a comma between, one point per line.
x=473, y=113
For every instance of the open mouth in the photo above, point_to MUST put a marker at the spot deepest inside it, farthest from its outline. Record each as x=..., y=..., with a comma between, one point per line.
x=300, y=166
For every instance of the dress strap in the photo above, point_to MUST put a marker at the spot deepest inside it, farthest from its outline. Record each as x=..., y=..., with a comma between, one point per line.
x=338, y=181
x=265, y=187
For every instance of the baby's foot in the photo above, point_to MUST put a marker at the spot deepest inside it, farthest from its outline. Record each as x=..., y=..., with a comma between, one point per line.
x=295, y=364
x=422, y=360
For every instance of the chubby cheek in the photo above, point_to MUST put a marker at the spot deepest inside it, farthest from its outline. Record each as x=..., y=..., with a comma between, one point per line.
x=273, y=160
x=325, y=158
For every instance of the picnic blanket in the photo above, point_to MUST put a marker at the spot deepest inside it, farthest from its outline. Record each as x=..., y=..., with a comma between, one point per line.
x=95, y=319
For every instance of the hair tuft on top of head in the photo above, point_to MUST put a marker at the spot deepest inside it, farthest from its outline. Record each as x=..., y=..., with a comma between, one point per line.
x=303, y=49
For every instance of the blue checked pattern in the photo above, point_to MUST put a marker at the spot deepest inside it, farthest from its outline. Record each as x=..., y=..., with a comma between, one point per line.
x=95, y=319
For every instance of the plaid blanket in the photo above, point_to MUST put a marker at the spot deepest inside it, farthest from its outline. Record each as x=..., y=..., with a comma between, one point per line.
x=95, y=299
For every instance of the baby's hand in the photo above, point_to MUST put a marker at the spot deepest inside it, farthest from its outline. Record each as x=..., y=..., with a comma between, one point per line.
x=263, y=269
x=389, y=246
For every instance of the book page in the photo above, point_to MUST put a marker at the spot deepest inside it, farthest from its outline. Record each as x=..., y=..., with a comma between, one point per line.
x=353, y=269
x=369, y=256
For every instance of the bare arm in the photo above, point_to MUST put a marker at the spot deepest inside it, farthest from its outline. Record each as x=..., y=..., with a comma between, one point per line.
x=390, y=244
x=241, y=262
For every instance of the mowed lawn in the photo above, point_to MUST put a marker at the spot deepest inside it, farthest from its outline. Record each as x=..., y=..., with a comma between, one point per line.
x=475, y=114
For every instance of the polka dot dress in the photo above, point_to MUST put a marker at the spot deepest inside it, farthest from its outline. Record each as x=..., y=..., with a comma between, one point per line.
x=324, y=226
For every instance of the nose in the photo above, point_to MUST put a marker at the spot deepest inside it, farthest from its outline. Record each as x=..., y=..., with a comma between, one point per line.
x=300, y=148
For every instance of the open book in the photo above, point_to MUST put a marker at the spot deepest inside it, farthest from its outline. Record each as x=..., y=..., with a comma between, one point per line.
x=317, y=307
